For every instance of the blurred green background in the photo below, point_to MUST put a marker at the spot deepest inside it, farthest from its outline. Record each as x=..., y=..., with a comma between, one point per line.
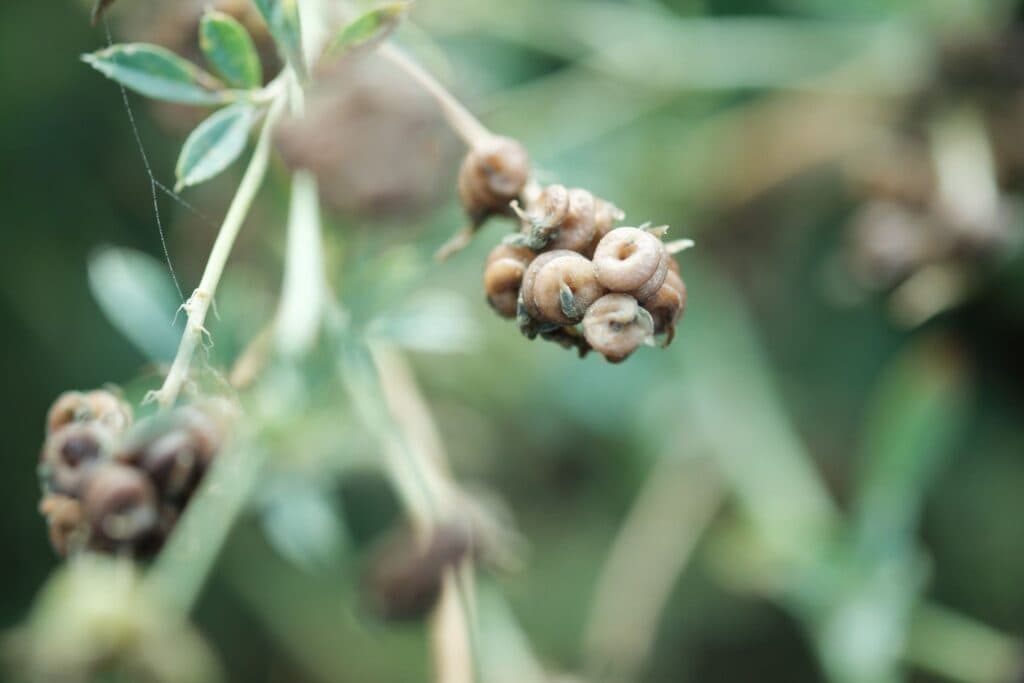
x=742, y=124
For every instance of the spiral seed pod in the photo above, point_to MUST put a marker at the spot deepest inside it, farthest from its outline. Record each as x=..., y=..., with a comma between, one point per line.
x=120, y=505
x=65, y=522
x=615, y=326
x=631, y=261
x=667, y=305
x=70, y=453
x=97, y=406
x=503, y=276
x=492, y=175
x=559, y=286
x=606, y=215
x=404, y=578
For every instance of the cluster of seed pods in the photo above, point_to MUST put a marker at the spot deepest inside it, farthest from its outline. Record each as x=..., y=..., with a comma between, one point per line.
x=569, y=275
x=114, y=486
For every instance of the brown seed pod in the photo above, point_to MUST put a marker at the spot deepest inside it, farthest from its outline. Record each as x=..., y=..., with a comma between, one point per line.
x=492, y=175
x=65, y=522
x=503, y=276
x=559, y=286
x=615, y=326
x=70, y=452
x=120, y=505
x=404, y=578
x=631, y=261
x=98, y=406
x=667, y=305
x=606, y=215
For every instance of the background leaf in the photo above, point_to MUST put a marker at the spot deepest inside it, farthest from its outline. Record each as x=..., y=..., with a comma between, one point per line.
x=230, y=50
x=301, y=523
x=214, y=144
x=282, y=17
x=137, y=295
x=374, y=24
x=155, y=72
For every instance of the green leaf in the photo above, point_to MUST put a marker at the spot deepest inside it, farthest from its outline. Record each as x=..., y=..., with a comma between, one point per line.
x=155, y=72
x=230, y=50
x=282, y=17
x=214, y=144
x=301, y=523
x=372, y=25
x=136, y=293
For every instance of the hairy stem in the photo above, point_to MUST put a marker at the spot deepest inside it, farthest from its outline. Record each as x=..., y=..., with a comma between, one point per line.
x=198, y=305
x=462, y=121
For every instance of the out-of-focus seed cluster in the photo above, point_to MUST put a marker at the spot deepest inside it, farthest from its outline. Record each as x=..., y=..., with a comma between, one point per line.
x=113, y=486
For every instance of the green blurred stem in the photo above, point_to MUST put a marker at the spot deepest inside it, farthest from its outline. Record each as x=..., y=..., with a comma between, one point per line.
x=199, y=303
x=181, y=570
x=304, y=289
x=961, y=649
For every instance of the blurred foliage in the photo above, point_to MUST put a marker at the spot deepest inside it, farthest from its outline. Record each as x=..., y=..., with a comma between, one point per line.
x=872, y=473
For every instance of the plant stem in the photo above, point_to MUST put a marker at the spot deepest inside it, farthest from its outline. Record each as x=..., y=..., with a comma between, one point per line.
x=303, y=291
x=198, y=305
x=462, y=121
x=961, y=649
x=185, y=562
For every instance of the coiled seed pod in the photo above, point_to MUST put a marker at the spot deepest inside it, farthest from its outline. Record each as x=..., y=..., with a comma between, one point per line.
x=631, y=261
x=606, y=215
x=70, y=452
x=65, y=522
x=559, y=286
x=575, y=231
x=615, y=326
x=98, y=406
x=492, y=175
x=120, y=505
x=667, y=305
x=404, y=579
x=503, y=277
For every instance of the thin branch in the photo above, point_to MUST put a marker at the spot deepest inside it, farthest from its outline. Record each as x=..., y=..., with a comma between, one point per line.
x=462, y=121
x=198, y=305
x=961, y=649
x=647, y=557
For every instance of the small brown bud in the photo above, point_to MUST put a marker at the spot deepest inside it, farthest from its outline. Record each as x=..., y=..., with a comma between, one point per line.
x=96, y=406
x=615, y=326
x=559, y=286
x=492, y=175
x=575, y=231
x=404, y=579
x=70, y=452
x=121, y=507
x=503, y=277
x=65, y=522
x=631, y=261
x=667, y=305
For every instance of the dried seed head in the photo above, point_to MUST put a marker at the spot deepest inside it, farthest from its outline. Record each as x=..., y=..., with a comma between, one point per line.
x=559, y=286
x=615, y=326
x=65, y=521
x=492, y=175
x=606, y=215
x=70, y=452
x=576, y=231
x=173, y=465
x=404, y=579
x=97, y=406
x=503, y=277
x=120, y=505
x=631, y=261
x=667, y=305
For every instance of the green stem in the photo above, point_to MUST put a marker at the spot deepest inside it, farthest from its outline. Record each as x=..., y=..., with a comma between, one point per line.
x=198, y=305
x=961, y=649
x=183, y=566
